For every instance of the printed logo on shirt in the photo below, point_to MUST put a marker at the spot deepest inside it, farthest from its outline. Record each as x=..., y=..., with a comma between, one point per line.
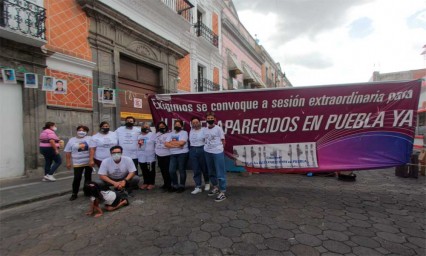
x=175, y=137
x=82, y=146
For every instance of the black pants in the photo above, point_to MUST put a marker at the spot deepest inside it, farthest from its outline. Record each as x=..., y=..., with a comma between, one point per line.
x=135, y=161
x=78, y=173
x=148, y=173
x=163, y=163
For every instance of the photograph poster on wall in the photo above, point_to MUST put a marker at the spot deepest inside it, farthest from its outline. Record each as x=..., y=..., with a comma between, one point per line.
x=30, y=80
x=47, y=84
x=60, y=86
x=107, y=95
x=137, y=103
x=8, y=75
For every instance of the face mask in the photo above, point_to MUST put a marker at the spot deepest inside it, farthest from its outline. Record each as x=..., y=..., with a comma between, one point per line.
x=145, y=130
x=116, y=156
x=54, y=128
x=104, y=130
x=178, y=128
x=210, y=122
x=129, y=124
x=162, y=130
x=81, y=133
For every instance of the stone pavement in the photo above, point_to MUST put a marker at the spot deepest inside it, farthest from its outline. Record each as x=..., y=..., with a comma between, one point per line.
x=265, y=214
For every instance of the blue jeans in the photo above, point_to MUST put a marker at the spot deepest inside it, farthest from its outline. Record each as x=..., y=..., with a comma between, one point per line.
x=178, y=163
x=198, y=164
x=49, y=157
x=216, y=167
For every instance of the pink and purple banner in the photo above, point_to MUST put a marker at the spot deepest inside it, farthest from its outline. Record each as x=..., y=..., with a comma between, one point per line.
x=315, y=129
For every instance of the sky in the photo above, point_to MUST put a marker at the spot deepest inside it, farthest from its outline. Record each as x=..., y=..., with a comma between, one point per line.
x=319, y=42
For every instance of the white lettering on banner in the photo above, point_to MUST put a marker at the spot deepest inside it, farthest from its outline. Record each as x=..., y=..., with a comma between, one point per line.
x=400, y=95
x=172, y=107
x=262, y=125
x=288, y=103
x=227, y=106
x=354, y=98
x=404, y=117
x=312, y=123
x=354, y=121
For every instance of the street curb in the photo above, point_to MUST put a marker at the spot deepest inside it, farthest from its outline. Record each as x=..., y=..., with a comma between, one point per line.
x=35, y=199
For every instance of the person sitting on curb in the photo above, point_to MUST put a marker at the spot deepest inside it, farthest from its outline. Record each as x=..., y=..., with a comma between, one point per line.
x=112, y=199
x=118, y=171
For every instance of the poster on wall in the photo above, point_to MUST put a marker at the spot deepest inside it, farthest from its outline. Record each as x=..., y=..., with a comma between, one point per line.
x=47, y=84
x=9, y=76
x=30, y=80
x=137, y=103
x=60, y=86
x=106, y=96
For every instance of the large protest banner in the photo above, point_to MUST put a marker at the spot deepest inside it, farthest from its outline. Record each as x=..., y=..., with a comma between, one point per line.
x=319, y=128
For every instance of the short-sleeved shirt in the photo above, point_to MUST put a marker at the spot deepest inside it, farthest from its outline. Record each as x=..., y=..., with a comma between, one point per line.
x=178, y=136
x=213, y=139
x=117, y=171
x=45, y=136
x=128, y=140
x=102, y=143
x=79, y=149
x=196, y=137
x=108, y=196
x=160, y=148
x=146, y=152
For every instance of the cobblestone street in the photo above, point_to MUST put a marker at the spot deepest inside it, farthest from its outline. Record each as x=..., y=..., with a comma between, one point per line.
x=265, y=214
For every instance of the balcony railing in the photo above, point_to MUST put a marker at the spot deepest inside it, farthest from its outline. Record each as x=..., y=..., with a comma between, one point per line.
x=205, y=85
x=23, y=17
x=181, y=7
x=202, y=30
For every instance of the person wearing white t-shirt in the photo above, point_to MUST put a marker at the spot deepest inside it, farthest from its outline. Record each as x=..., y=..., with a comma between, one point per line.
x=196, y=156
x=163, y=154
x=177, y=142
x=118, y=171
x=127, y=136
x=77, y=148
x=215, y=157
x=100, y=144
x=146, y=156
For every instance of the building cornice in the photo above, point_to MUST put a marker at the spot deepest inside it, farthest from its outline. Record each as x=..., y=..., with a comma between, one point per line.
x=226, y=24
x=100, y=11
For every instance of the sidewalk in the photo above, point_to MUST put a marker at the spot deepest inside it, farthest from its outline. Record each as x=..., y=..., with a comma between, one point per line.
x=25, y=190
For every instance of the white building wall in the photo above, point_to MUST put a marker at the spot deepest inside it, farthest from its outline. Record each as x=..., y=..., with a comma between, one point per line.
x=12, y=149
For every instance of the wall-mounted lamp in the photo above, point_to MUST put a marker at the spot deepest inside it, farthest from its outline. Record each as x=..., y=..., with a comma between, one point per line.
x=178, y=79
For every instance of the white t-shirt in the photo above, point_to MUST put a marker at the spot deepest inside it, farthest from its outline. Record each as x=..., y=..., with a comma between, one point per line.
x=117, y=171
x=196, y=137
x=102, y=143
x=160, y=149
x=146, y=153
x=108, y=195
x=213, y=139
x=128, y=140
x=180, y=136
x=79, y=149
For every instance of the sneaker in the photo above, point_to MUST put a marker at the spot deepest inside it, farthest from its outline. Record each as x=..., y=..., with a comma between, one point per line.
x=150, y=187
x=144, y=186
x=220, y=197
x=73, y=197
x=207, y=187
x=180, y=189
x=49, y=177
x=213, y=192
x=196, y=191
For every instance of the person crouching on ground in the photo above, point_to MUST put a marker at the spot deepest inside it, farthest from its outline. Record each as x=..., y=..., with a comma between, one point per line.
x=118, y=171
x=112, y=199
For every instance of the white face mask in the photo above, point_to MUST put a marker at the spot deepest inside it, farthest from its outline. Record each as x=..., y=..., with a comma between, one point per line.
x=81, y=133
x=116, y=156
x=54, y=128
